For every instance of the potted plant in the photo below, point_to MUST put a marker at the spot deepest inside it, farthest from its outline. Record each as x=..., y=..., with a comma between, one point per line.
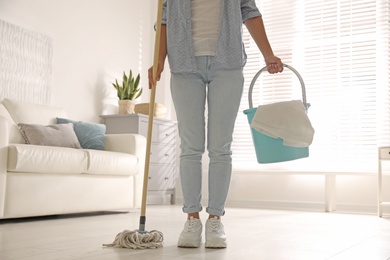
x=127, y=92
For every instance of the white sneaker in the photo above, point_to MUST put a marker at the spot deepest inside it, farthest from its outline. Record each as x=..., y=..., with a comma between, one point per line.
x=215, y=234
x=191, y=236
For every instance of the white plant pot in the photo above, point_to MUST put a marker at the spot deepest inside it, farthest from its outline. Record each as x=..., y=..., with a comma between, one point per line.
x=126, y=106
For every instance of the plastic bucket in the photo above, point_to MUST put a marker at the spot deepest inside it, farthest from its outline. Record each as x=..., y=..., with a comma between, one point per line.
x=272, y=150
x=269, y=149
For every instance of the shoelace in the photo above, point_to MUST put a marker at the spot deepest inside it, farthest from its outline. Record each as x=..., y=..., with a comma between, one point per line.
x=215, y=225
x=191, y=225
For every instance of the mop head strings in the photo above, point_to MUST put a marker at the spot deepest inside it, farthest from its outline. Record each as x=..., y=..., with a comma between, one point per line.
x=138, y=240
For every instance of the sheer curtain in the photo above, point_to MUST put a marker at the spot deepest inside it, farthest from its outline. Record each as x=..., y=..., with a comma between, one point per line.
x=342, y=51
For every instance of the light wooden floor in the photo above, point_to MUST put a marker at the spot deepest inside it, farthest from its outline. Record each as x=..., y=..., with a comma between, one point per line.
x=252, y=234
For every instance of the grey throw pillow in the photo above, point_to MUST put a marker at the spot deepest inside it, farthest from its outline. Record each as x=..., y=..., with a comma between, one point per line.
x=50, y=135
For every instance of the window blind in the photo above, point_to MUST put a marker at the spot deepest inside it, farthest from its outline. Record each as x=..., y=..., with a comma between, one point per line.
x=342, y=51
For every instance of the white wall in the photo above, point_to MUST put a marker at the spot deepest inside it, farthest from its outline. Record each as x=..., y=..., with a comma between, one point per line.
x=353, y=193
x=94, y=41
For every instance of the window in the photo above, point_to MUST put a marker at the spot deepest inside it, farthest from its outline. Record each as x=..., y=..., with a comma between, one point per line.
x=342, y=51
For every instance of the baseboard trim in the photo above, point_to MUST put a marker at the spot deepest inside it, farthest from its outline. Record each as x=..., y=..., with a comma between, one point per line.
x=302, y=206
x=278, y=205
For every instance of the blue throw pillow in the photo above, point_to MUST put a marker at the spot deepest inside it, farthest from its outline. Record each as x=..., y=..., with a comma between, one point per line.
x=90, y=135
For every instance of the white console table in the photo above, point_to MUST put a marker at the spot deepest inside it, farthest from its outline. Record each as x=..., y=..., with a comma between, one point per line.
x=163, y=166
x=383, y=155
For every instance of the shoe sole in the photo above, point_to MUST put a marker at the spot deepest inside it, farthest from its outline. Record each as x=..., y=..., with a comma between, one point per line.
x=216, y=244
x=189, y=245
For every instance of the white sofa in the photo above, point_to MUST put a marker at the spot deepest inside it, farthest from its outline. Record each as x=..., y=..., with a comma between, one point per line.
x=38, y=180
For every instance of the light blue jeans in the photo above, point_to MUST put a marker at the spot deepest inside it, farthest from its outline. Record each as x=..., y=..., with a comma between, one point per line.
x=223, y=90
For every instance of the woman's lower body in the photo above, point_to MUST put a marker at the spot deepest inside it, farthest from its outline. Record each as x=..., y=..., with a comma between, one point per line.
x=221, y=90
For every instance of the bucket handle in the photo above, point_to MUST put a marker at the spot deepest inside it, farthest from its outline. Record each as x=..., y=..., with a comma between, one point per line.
x=286, y=66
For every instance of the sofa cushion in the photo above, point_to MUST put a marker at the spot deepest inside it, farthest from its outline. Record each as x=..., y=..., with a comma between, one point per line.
x=51, y=135
x=28, y=113
x=46, y=159
x=111, y=163
x=90, y=135
x=59, y=160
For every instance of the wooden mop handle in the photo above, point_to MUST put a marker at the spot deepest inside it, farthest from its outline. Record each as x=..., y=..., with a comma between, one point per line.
x=151, y=108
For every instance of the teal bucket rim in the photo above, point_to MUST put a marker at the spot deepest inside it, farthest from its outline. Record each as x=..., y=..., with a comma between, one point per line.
x=246, y=111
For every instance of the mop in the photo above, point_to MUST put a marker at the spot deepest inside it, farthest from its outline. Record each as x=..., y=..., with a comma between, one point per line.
x=141, y=239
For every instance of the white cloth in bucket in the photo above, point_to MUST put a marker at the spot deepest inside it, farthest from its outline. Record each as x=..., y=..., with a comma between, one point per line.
x=287, y=120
